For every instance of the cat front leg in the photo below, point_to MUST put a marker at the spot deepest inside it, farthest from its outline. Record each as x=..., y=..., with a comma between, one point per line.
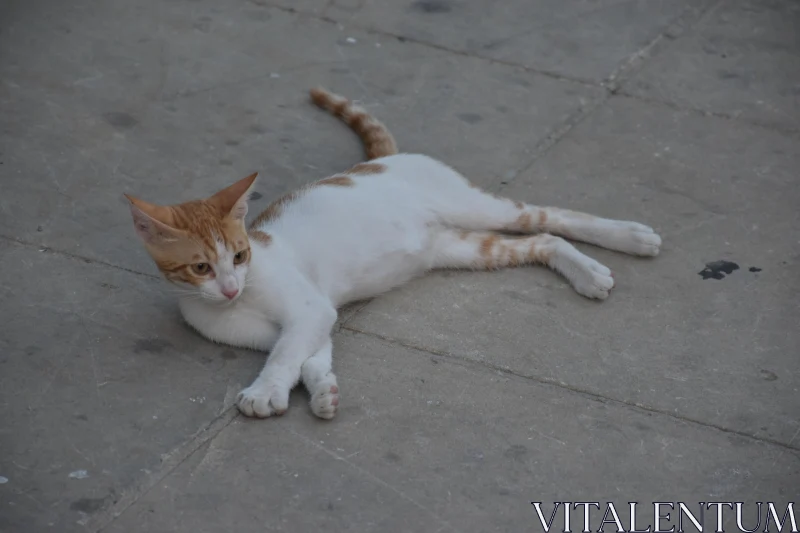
x=302, y=336
x=320, y=381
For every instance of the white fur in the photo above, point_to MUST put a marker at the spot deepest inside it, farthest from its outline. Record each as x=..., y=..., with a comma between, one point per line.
x=336, y=244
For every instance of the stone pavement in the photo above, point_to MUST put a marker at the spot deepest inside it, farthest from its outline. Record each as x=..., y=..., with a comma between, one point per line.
x=465, y=396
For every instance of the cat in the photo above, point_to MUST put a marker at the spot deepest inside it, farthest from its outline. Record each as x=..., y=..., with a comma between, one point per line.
x=276, y=286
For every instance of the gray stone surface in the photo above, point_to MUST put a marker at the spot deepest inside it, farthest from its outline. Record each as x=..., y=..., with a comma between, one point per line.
x=742, y=62
x=581, y=40
x=97, y=374
x=465, y=395
x=720, y=351
x=423, y=443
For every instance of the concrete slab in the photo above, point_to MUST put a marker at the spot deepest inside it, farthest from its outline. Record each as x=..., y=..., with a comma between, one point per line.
x=71, y=147
x=172, y=100
x=721, y=351
x=423, y=443
x=741, y=61
x=97, y=374
x=581, y=40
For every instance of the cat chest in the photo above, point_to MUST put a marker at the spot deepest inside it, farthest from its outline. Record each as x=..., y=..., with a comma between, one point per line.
x=236, y=325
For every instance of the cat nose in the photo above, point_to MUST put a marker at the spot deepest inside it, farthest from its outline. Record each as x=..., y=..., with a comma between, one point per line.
x=230, y=294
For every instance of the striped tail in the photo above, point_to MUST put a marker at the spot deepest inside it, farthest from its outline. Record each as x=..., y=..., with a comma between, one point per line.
x=377, y=139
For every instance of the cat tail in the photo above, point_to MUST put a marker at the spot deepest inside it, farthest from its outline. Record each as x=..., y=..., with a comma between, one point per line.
x=377, y=139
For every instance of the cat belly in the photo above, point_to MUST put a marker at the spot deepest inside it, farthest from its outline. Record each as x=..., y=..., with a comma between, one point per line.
x=374, y=279
x=389, y=257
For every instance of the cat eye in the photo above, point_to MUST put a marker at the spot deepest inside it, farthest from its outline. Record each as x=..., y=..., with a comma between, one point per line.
x=240, y=257
x=201, y=269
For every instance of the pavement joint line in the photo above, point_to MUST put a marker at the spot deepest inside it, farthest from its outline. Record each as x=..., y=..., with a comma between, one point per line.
x=455, y=51
x=689, y=18
x=573, y=389
x=775, y=128
x=355, y=312
x=375, y=479
x=557, y=133
x=175, y=459
x=48, y=249
x=612, y=84
x=677, y=28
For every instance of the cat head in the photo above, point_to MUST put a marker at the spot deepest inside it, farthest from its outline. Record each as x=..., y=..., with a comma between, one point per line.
x=200, y=245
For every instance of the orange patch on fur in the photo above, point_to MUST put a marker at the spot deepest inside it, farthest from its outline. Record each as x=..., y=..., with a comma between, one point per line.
x=260, y=236
x=341, y=181
x=182, y=235
x=486, y=250
x=542, y=217
x=274, y=210
x=540, y=251
x=196, y=226
x=486, y=245
x=377, y=139
x=177, y=271
x=168, y=266
x=367, y=168
x=523, y=222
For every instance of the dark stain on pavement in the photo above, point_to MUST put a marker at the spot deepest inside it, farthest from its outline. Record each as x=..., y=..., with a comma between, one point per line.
x=88, y=505
x=120, y=120
x=470, y=118
x=432, y=6
x=718, y=269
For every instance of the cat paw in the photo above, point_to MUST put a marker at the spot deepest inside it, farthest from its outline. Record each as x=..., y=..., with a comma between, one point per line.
x=263, y=400
x=325, y=398
x=637, y=239
x=593, y=280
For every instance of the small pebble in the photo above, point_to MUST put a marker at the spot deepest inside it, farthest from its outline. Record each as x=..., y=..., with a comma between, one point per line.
x=351, y=40
x=3, y=480
x=79, y=474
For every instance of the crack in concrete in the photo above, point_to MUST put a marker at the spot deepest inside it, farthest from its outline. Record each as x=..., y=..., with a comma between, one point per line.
x=781, y=129
x=366, y=473
x=172, y=461
x=564, y=386
x=692, y=15
x=47, y=249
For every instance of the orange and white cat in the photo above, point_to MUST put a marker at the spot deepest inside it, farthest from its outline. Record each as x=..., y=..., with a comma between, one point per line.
x=277, y=286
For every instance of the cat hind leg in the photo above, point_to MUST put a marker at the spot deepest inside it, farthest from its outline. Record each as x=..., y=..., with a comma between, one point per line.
x=474, y=209
x=488, y=251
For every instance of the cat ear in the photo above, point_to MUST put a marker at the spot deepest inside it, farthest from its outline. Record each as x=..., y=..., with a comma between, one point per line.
x=145, y=220
x=232, y=200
